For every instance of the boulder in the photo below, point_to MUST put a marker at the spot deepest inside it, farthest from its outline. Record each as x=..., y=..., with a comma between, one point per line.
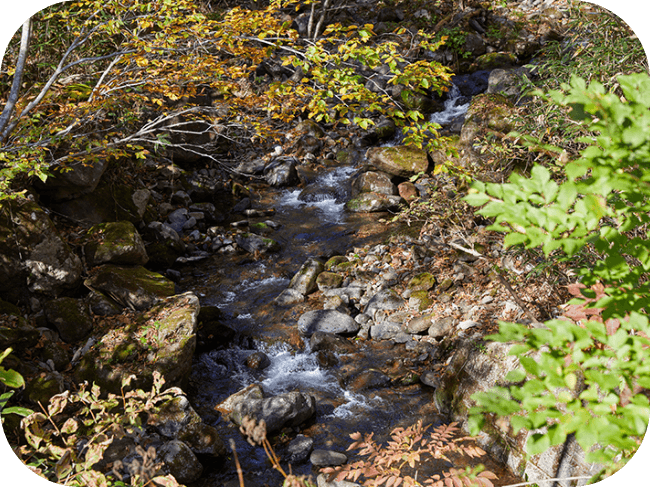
x=115, y=243
x=163, y=339
x=202, y=439
x=408, y=191
x=506, y=82
x=374, y=182
x=33, y=257
x=132, y=287
x=304, y=281
x=487, y=111
x=327, y=320
x=289, y=297
x=299, y=448
x=286, y=410
x=419, y=324
x=421, y=282
x=494, y=60
x=373, y=202
x=402, y=161
x=329, y=280
x=172, y=416
x=71, y=317
x=281, y=172
x=368, y=379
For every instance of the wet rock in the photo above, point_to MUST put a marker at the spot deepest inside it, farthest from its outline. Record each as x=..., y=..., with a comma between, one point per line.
x=299, y=448
x=71, y=317
x=212, y=334
x=315, y=193
x=253, y=168
x=308, y=144
x=253, y=391
x=33, y=256
x=430, y=379
x=258, y=361
x=384, y=130
x=180, y=461
x=329, y=321
x=329, y=341
x=372, y=202
x=115, y=243
x=177, y=219
x=402, y=161
x=253, y=243
x=422, y=103
x=132, y=287
x=242, y=205
x=327, y=458
x=165, y=245
x=285, y=410
x=102, y=305
x=472, y=84
x=368, y=379
x=304, y=281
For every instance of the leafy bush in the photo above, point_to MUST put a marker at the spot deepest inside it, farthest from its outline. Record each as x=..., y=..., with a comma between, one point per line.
x=66, y=441
x=585, y=374
x=10, y=378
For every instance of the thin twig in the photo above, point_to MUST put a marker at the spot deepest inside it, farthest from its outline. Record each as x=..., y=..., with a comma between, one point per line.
x=240, y=473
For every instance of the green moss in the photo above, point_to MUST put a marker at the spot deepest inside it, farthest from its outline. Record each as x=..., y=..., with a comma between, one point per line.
x=335, y=261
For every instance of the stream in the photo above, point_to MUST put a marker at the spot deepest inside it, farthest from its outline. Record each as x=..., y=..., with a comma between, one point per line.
x=243, y=288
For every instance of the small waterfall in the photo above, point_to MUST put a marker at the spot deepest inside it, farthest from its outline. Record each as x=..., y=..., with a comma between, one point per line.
x=452, y=108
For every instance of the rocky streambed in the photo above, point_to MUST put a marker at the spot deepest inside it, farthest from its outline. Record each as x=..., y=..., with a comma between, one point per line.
x=278, y=289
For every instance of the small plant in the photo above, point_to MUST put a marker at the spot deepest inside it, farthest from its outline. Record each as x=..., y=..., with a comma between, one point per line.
x=67, y=440
x=392, y=464
x=14, y=380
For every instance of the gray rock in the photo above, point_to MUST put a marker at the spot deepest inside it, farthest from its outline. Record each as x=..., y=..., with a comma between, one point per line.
x=374, y=182
x=177, y=219
x=286, y=410
x=331, y=342
x=385, y=331
x=466, y=325
x=281, y=172
x=419, y=324
x=373, y=202
x=368, y=379
x=172, y=416
x=385, y=300
x=202, y=439
x=327, y=320
x=140, y=199
x=441, y=327
x=304, y=281
x=289, y=297
x=299, y=448
x=327, y=458
x=34, y=257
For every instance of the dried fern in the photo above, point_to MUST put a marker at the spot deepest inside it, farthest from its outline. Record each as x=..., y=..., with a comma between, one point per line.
x=411, y=446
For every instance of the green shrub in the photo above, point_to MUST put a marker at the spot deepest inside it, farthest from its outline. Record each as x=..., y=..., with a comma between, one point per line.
x=586, y=374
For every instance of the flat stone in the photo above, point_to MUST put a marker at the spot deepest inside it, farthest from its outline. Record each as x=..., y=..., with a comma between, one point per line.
x=327, y=320
x=327, y=458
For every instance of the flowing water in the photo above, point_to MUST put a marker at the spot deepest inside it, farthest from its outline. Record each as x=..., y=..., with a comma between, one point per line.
x=244, y=289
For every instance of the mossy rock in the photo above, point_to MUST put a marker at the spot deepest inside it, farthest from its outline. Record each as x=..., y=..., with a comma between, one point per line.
x=494, y=60
x=422, y=282
x=335, y=261
x=163, y=339
x=133, y=287
x=71, y=317
x=373, y=202
x=401, y=161
x=329, y=280
x=423, y=299
x=115, y=243
x=41, y=389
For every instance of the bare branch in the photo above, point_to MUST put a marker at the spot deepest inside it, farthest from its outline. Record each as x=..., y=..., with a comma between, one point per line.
x=18, y=76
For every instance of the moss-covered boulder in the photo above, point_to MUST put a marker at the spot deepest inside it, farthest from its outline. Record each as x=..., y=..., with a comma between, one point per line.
x=115, y=243
x=373, y=181
x=163, y=339
x=132, y=287
x=304, y=281
x=402, y=161
x=421, y=282
x=329, y=280
x=494, y=60
x=253, y=243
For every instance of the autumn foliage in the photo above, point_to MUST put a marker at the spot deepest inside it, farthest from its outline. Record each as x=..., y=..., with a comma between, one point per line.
x=125, y=79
